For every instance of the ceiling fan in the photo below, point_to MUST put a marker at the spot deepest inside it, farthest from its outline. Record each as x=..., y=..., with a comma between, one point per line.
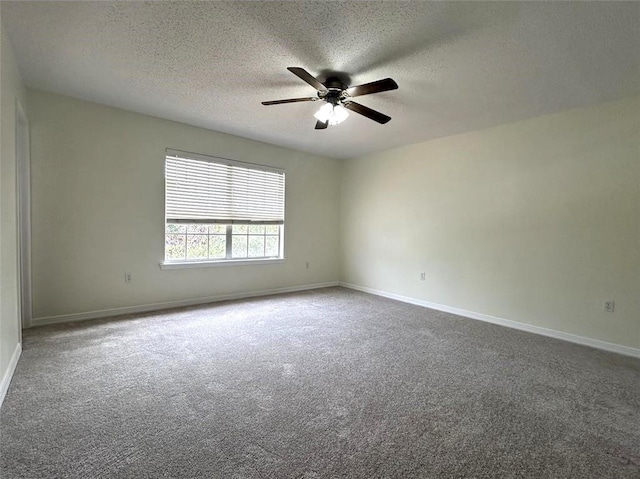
x=337, y=97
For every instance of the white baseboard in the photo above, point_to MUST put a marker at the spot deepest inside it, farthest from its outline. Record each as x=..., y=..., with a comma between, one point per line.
x=105, y=313
x=552, y=333
x=8, y=374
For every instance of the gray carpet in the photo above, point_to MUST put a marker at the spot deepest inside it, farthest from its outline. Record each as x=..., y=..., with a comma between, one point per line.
x=320, y=384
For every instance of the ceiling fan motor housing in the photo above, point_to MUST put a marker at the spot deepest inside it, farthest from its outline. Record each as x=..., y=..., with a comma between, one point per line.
x=334, y=83
x=335, y=91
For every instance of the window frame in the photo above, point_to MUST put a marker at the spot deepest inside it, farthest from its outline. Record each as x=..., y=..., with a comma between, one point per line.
x=228, y=260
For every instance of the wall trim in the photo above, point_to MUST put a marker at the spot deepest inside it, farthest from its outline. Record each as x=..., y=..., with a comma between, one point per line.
x=552, y=333
x=8, y=374
x=23, y=215
x=530, y=328
x=105, y=313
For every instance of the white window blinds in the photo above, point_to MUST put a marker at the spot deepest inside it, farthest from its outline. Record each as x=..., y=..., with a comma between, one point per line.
x=201, y=189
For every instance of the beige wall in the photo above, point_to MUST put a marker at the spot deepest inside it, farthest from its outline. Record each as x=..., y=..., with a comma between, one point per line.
x=98, y=210
x=11, y=89
x=536, y=221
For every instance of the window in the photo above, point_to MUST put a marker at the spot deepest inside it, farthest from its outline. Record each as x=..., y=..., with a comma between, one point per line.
x=219, y=210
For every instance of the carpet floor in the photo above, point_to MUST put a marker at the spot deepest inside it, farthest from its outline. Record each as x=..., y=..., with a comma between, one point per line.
x=320, y=384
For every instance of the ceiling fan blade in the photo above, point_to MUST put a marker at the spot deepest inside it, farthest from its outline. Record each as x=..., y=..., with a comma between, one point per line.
x=321, y=125
x=366, y=111
x=290, y=100
x=373, y=87
x=307, y=77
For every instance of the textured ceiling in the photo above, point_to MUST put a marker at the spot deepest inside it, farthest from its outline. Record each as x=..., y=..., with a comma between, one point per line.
x=460, y=66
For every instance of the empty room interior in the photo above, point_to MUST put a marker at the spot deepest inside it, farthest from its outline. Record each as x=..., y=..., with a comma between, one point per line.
x=319, y=239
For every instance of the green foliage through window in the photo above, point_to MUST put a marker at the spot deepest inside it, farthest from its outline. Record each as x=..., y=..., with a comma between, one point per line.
x=208, y=242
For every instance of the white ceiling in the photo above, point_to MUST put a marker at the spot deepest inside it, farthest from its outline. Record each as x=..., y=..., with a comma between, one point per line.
x=460, y=66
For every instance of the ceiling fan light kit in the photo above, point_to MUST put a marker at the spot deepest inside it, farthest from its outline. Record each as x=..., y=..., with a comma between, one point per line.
x=332, y=114
x=338, y=98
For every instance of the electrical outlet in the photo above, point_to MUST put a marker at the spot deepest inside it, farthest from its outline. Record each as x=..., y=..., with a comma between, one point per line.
x=423, y=276
x=128, y=278
x=609, y=306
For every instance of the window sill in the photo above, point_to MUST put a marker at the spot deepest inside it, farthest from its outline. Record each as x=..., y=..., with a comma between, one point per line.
x=215, y=264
